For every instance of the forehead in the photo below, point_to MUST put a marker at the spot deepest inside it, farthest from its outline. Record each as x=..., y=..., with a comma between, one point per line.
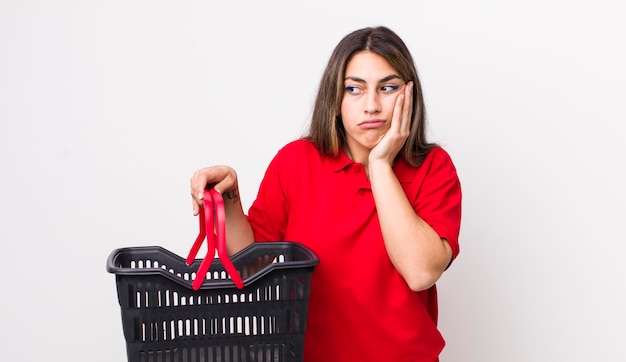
x=368, y=66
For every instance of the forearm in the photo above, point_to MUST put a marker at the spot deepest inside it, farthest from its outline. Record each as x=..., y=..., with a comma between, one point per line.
x=238, y=231
x=413, y=246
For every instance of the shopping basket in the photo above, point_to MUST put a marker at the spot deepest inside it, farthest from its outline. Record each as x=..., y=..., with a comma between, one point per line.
x=165, y=319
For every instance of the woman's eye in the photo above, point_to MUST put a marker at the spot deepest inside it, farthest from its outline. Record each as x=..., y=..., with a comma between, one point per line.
x=389, y=88
x=353, y=90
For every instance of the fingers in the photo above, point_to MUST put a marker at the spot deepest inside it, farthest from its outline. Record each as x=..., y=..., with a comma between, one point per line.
x=407, y=107
x=221, y=178
x=398, y=114
x=196, y=206
x=197, y=191
x=404, y=110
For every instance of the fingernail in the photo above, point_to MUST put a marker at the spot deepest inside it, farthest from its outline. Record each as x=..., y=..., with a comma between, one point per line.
x=200, y=195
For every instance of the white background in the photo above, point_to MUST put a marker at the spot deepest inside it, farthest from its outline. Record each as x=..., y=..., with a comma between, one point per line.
x=107, y=107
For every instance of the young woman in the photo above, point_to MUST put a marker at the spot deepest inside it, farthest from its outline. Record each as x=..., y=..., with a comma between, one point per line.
x=366, y=191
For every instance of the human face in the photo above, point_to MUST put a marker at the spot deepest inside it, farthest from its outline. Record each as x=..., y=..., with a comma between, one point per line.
x=371, y=86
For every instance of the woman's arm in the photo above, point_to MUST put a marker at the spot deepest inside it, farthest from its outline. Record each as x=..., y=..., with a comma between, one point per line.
x=415, y=249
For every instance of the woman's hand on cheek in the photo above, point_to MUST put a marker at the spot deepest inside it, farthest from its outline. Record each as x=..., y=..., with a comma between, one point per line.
x=399, y=130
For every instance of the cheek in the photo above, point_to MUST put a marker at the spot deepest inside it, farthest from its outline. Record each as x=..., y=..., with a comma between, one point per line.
x=348, y=109
x=346, y=105
x=390, y=102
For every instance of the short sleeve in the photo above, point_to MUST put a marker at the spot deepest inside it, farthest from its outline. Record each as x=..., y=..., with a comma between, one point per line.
x=438, y=201
x=268, y=213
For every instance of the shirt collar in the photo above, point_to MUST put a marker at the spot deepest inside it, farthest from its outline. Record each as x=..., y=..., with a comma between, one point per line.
x=341, y=161
x=403, y=170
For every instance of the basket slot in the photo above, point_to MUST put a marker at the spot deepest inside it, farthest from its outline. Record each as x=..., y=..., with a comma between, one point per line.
x=154, y=295
x=219, y=325
x=263, y=352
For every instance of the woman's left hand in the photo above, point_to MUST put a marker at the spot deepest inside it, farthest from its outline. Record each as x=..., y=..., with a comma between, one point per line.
x=389, y=146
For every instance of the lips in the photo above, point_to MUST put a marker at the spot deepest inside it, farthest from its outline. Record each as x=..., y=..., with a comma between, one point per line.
x=372, y=123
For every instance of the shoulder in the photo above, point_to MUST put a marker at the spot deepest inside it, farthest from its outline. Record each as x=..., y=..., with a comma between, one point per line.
x=294, y=162
x=435, y=158
x=296, y=150
x=438, y=169
x=436, y=165
x=298, y=146
x=438, y=154
x=439, y=159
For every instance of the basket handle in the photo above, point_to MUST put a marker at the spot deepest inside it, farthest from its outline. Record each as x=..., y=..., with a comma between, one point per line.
x=212, y=217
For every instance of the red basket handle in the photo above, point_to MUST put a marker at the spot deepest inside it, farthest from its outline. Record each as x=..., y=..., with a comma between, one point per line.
x=213, y=203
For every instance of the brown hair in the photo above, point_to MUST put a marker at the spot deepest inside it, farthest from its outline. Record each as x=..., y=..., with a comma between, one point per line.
x=326, y=129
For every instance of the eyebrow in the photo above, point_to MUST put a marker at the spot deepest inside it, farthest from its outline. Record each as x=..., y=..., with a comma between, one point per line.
x=386, y=79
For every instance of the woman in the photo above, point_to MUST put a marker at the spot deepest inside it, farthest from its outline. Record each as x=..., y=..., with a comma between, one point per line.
x=378, y=204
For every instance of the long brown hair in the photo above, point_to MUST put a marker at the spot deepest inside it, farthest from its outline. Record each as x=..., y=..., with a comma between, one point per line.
x=326, y=130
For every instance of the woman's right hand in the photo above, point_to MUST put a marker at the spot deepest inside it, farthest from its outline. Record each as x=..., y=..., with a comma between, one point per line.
x=221, y=178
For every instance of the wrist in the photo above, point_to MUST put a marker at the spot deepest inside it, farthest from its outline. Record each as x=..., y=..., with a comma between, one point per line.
x=231, y=196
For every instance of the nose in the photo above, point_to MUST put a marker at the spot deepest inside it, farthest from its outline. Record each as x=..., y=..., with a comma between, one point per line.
x=372, y=102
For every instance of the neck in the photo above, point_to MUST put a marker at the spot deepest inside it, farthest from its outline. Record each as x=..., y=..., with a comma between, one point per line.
x=362, y=159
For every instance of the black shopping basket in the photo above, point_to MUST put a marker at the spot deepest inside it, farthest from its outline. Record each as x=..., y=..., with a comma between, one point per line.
x=165, y=318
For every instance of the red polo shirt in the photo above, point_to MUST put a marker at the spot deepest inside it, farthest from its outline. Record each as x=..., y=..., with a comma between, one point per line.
x=360, y=309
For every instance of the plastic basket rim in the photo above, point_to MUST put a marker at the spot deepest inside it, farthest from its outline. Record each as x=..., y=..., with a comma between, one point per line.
x=312, y=261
